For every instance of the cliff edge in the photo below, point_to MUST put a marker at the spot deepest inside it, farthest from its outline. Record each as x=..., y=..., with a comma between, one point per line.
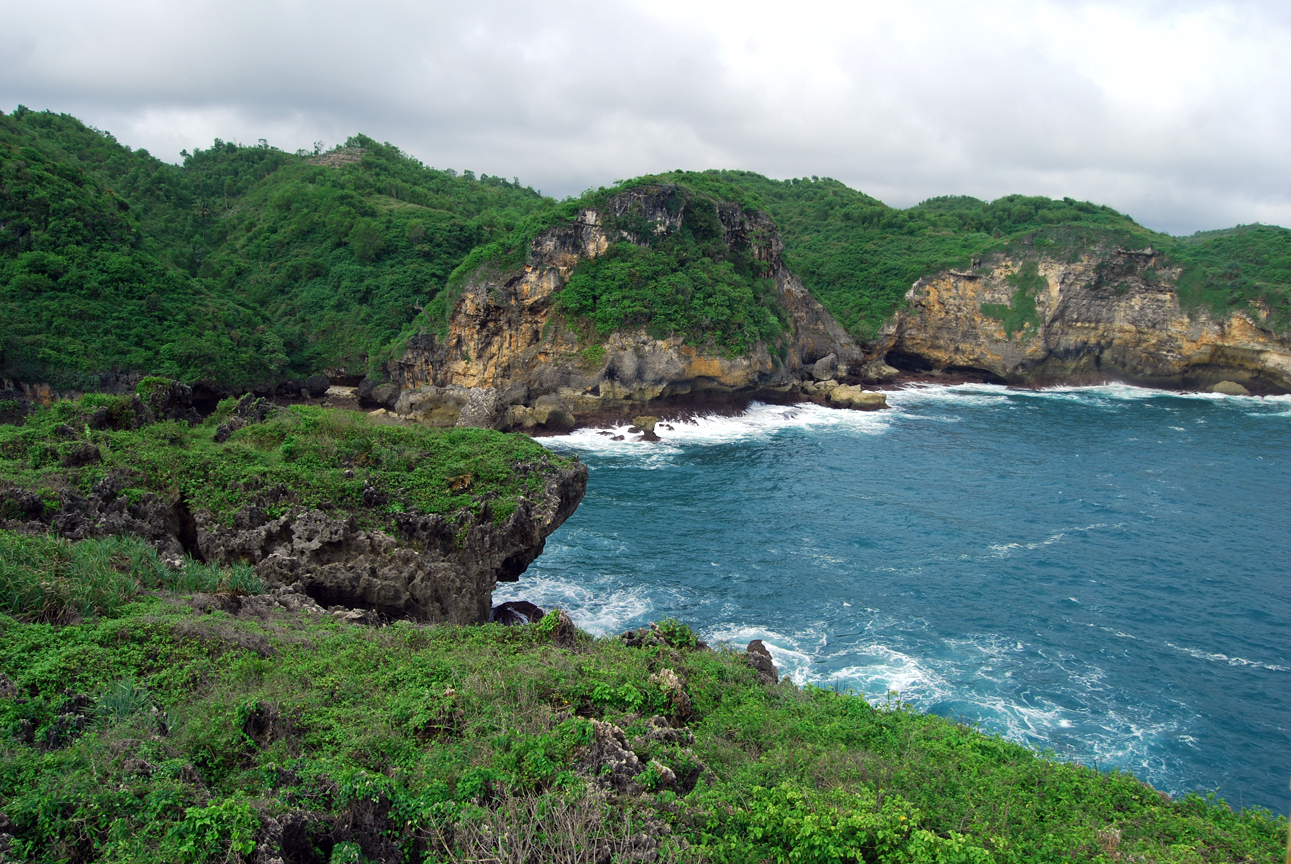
x=510, y=356
x=408, y=522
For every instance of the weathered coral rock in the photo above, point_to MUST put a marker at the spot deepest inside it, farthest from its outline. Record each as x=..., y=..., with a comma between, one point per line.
x=431, y=570
x=611, y=761
x=757, y=656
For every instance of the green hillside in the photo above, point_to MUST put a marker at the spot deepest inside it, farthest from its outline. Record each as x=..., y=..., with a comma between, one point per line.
x=859, y=256
x=244, y=264
x=247, y=264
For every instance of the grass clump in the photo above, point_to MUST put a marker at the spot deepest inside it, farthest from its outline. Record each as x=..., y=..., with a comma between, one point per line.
x=44, y=578
x=299, y=457
x=449, y=743
x=49, y=579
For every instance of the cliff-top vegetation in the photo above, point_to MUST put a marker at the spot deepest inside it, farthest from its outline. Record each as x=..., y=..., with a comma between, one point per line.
x=244, y=264
x=670, y=273
x=247, y=264
x=254, y=453
x=859, y=256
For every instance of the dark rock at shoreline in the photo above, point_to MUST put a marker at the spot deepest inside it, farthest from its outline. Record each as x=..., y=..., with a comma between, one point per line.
x=757, y=656
x=516, y=612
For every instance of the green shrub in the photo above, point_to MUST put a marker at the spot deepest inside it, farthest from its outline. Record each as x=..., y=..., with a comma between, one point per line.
x=214, y=833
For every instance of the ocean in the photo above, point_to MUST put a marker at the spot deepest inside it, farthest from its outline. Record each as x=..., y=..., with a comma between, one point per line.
x=1103, y=572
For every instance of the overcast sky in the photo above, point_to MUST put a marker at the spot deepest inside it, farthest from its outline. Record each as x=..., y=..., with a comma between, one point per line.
x=1178, y=113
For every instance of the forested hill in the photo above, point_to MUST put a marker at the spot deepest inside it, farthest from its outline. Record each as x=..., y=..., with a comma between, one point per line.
x=247, y=264
x=244, y=264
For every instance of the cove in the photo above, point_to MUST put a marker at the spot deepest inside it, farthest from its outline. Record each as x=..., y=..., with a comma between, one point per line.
x=1098, y=571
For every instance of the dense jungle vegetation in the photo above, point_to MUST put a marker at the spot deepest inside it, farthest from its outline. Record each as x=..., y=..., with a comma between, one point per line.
x=148, y=728
x=244, y=264
x=248, y=264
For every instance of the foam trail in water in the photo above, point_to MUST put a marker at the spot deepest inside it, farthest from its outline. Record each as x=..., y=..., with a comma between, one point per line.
x=970, y=395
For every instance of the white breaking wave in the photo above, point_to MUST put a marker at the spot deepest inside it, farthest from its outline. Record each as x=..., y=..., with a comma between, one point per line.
x=597, y=608
x=759, y=422
x=1216, y=657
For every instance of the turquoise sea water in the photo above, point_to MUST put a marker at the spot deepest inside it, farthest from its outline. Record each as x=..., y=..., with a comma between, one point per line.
x=1101, y=571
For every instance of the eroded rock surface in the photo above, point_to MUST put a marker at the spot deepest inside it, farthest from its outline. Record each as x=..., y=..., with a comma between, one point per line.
x=1110, y=315
x=429, y=568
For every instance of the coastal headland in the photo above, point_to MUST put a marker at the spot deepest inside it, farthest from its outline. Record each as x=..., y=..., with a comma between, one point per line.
x=243, y=624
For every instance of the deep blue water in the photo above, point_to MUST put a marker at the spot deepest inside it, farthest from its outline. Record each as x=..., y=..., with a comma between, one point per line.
x=1101, y=571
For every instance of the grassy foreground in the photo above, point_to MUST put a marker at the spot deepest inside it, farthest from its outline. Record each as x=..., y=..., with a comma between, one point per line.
x=153, y=732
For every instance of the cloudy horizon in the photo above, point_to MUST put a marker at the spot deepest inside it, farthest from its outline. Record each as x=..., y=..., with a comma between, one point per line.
x=1174, y=113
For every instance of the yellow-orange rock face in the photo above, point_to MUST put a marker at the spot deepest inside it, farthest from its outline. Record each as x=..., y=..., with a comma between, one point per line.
x=1088, y=327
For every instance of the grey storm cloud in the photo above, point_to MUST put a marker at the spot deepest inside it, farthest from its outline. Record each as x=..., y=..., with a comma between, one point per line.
x=1176, y=113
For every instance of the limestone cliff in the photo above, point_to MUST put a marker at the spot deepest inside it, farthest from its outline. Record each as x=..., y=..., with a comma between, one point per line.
x=1110, y=315
x=510, y=359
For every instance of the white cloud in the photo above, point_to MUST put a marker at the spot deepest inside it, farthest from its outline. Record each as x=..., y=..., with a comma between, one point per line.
x=1177, y=113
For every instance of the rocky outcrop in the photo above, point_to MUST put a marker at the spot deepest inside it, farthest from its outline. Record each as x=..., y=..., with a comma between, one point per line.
x=509, y=361
x=1110, y=315
x=429, y=568
x=105, y=512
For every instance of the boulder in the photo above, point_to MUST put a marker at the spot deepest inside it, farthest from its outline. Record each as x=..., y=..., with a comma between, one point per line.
x=372, y=391
x=879, y=372
x=852, y=396
x=825, y=368
x=483, y=410
x=757, y=656
x=173, y=401
x=516, y=612
x=610, y=760
x=552, y=412
x=316, y=385
x=82, y=455
x=1230, y=388
x=645, y=423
